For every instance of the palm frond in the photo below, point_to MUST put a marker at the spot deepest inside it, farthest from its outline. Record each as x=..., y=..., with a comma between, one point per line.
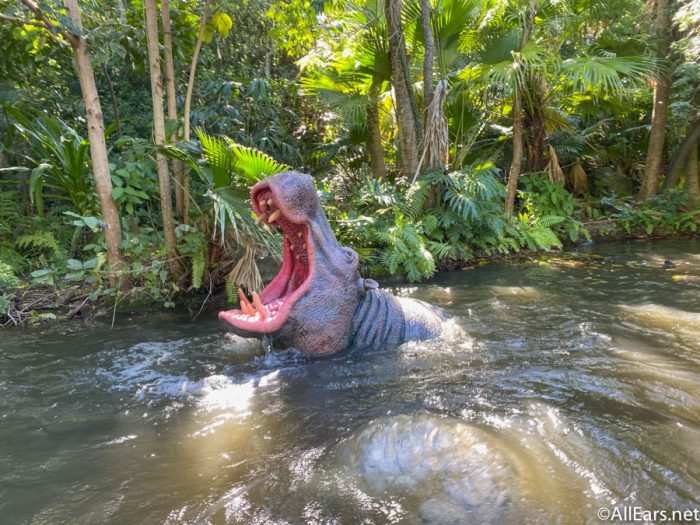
x=605, y=73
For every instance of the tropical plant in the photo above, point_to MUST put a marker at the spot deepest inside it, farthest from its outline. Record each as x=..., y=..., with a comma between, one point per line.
x=61, y=163
x=228, y=170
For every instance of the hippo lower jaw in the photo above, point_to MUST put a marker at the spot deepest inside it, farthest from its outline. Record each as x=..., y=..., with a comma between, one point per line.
x=294, y=278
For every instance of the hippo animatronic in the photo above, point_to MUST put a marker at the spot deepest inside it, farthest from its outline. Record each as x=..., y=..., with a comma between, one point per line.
x=318, y=303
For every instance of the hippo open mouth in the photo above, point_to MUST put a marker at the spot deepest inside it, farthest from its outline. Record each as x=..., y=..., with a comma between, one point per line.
x=270, y=309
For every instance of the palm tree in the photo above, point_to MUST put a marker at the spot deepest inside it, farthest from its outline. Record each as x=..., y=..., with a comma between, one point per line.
x=538, y=58
x=228, y=170
x=352, y=76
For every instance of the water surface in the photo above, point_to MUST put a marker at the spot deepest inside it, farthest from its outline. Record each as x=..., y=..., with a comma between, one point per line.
x=561, y=386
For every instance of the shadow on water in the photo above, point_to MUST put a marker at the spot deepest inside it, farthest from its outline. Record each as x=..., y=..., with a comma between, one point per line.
x=560, y=386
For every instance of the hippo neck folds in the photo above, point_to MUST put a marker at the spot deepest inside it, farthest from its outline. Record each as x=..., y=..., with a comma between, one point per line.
x=318, y=303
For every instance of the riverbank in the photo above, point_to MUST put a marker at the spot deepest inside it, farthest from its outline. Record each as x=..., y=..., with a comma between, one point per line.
x=33, y=304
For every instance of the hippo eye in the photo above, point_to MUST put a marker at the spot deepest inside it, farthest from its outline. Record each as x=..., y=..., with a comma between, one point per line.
x=350, y=255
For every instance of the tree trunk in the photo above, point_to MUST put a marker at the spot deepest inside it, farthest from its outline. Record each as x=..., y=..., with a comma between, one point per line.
x=159, y=134
x=659, y=115
x=98, y=149
x=171, y=98
x=517, y=162
x=115, y=106
x=429, y=57
x=692, y=183
x=374, y=133
x=680, y=155
x=268, y=58
x=407, y=117
x=535, y=131
x=188, y=100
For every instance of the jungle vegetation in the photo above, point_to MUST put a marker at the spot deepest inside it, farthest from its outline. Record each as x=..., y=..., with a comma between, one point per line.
x=438, y=131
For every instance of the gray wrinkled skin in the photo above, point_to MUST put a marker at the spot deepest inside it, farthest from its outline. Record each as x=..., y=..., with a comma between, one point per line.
x=340, y=309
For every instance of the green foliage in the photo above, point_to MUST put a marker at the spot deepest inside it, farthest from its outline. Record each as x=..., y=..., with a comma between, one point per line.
x=294, y=25
x=6, y=300
x=8, y=279
x=444, y=217
x=133, y=175
x=550, y=205
x=405, y=250
x=664, y=212
x=233, y=163
x=40, y=242
x=228, y=170
x=192, y=244
x=60, y=156
x=231, y=291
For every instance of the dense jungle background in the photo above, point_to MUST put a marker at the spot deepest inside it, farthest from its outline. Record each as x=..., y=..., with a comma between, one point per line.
x=439, y=132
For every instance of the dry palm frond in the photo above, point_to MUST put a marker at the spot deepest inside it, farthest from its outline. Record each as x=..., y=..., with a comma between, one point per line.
x=554, y=169
x=246, y=272
x=578, y=179
x=435, y=141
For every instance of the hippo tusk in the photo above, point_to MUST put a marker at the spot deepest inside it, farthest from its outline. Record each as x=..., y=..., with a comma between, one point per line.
x=259, y=219
x=245, y=304
x=275, y=215
x=259, y=306
x=263, y=204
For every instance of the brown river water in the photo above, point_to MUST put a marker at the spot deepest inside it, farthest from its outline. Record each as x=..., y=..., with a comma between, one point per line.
x=561, y=387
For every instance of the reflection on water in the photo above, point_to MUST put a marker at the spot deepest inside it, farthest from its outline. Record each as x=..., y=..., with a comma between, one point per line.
x=560, y=386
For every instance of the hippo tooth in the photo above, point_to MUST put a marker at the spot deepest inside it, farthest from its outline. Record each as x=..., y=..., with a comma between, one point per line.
x=263, y=204
x=270, y=202
x=246, y=307
x=291, y=246
x=259, y=219
x=259, y=306
x=299, y=234
x=275, y=215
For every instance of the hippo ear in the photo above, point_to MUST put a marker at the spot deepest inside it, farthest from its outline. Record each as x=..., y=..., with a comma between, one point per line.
x=370, y=284
x=366, y=284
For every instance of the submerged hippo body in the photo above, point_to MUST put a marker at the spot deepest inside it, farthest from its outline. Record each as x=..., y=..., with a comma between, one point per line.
x=318, y=303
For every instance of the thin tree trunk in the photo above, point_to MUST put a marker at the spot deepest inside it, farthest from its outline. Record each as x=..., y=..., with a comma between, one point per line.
x=159, y=134
x=680, y=155
x=692, y=183
x=171, y=98
x=429, y=58
x=517, y=162
x=115, y=106
x=407, y=118
x=98, y=149
x=662, y=92
x=374, y=133
x=268, y=57
x=188, y=100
